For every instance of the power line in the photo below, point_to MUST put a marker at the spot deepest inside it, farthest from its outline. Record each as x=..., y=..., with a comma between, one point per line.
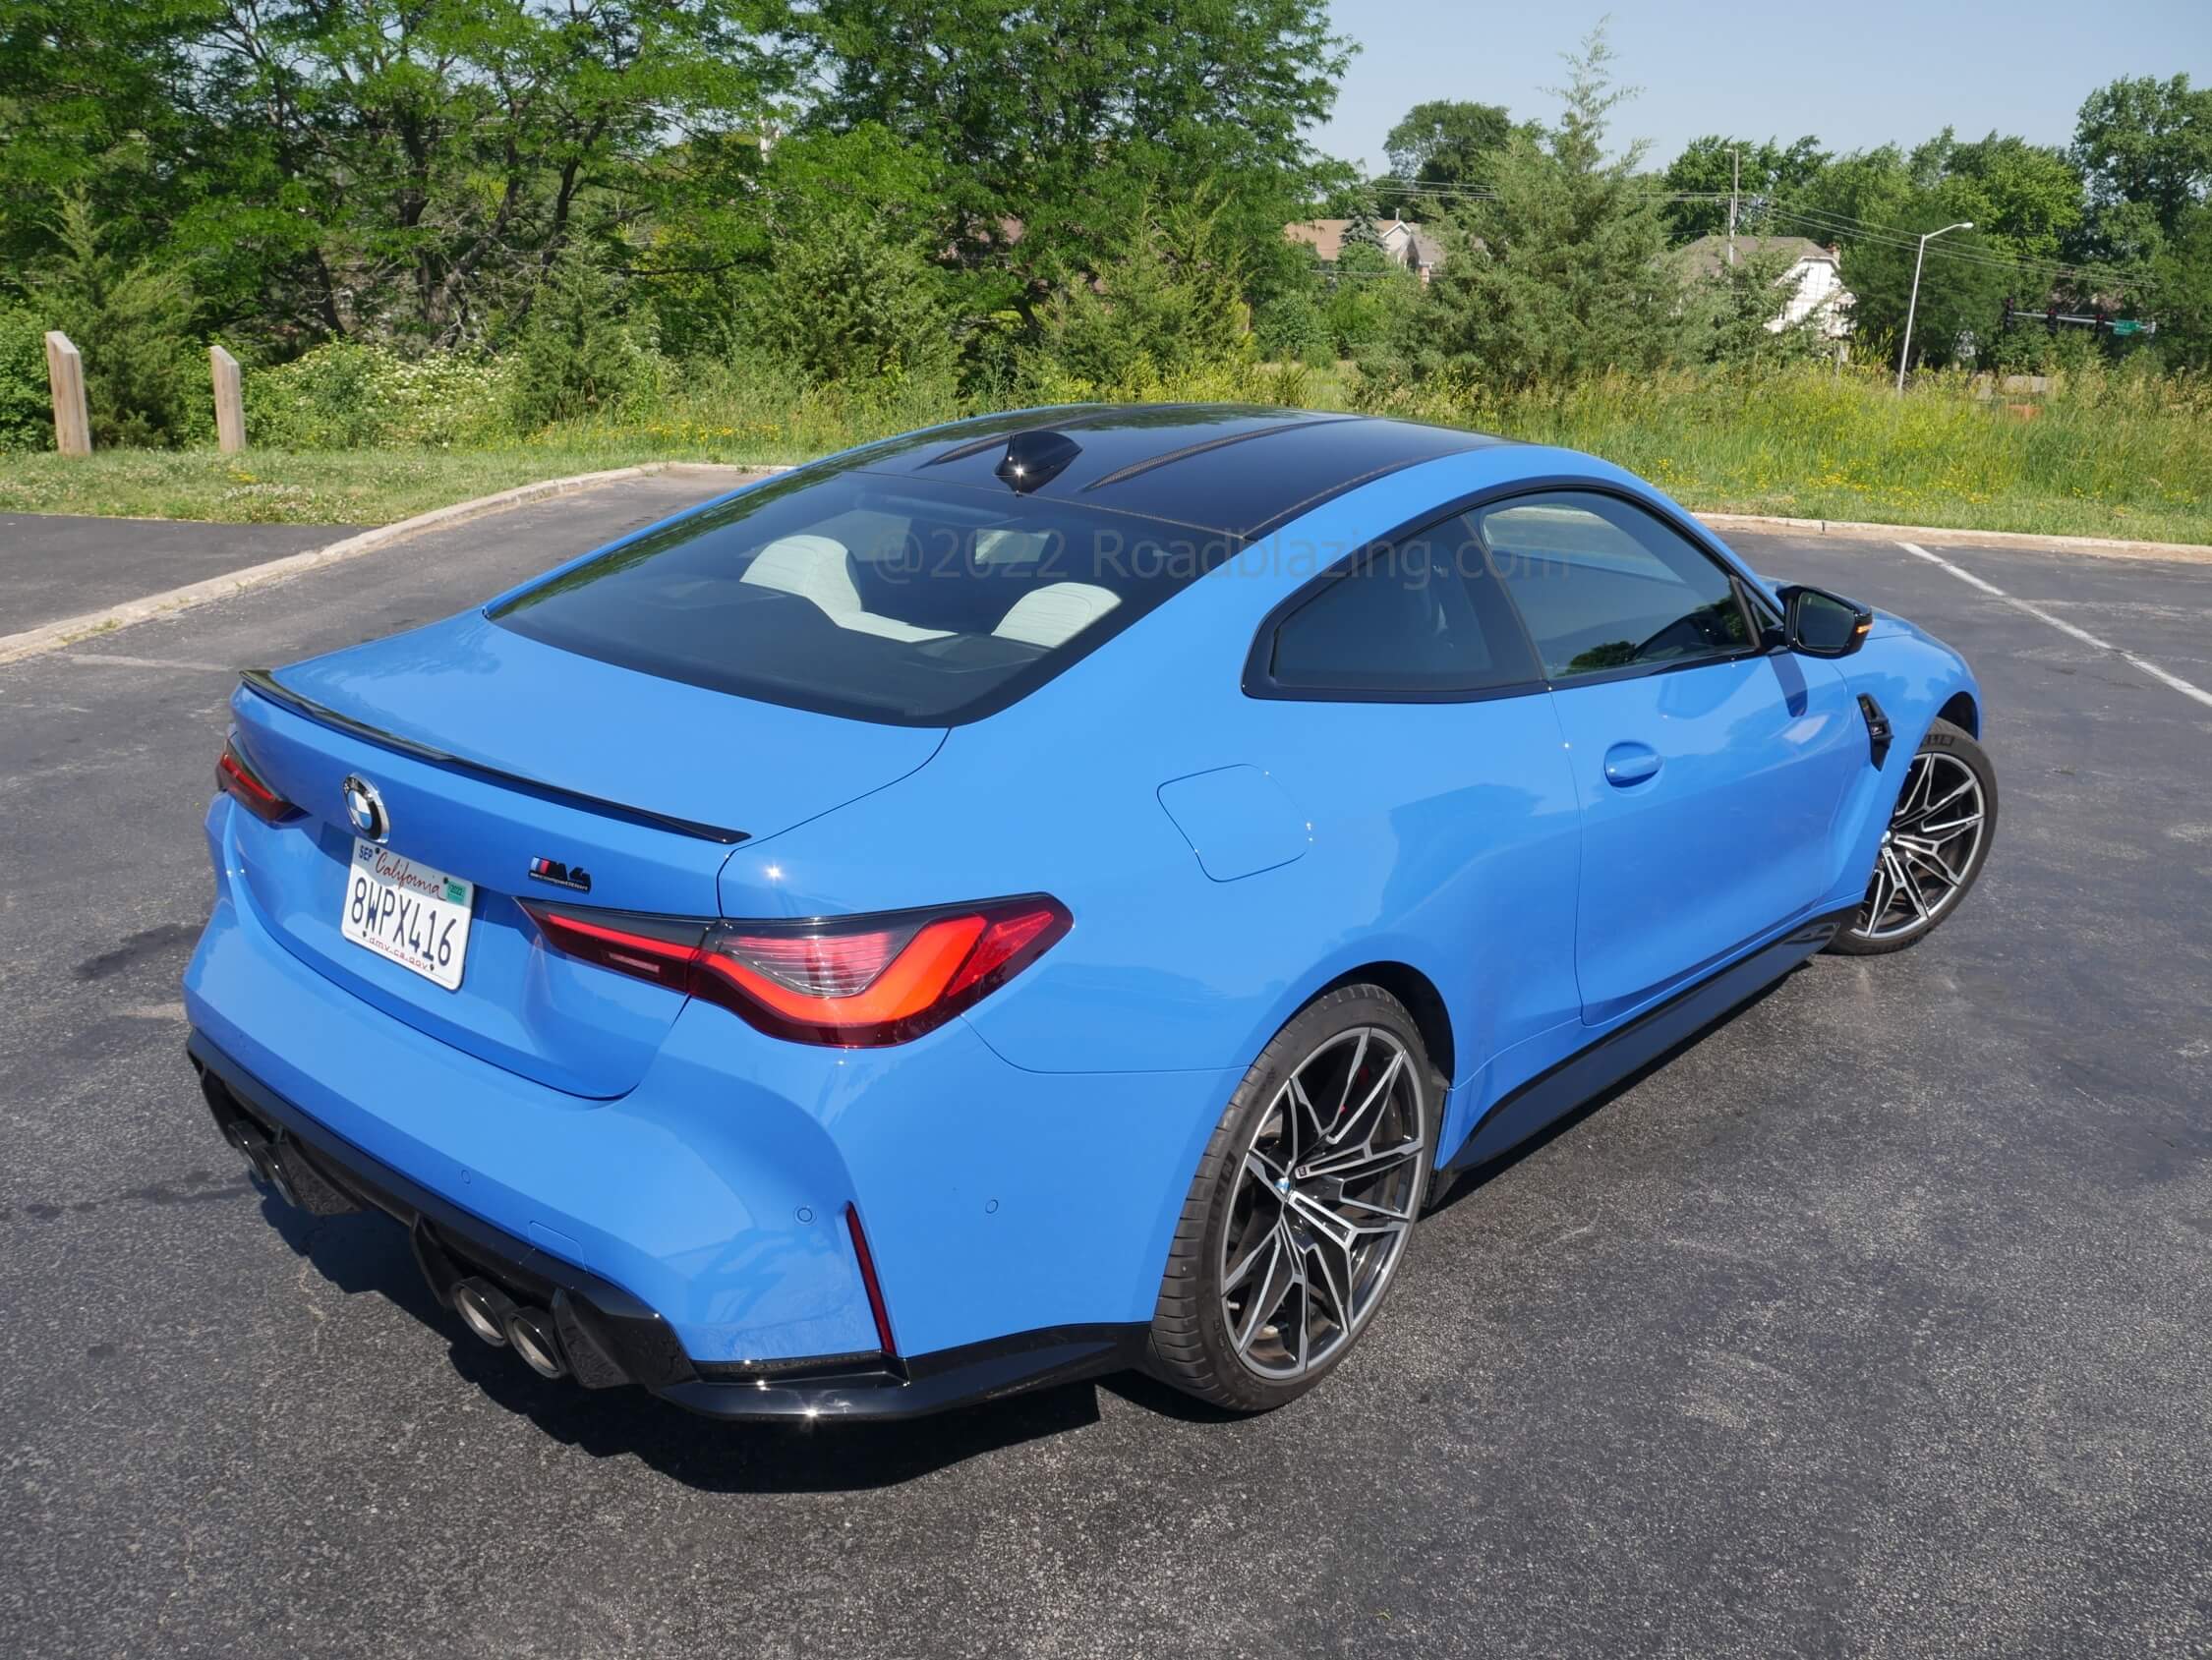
x=1838, y=224
x=1844, y=225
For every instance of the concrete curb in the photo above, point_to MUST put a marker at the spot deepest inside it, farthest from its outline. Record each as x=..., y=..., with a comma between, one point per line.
x=2104, y=546
x=70, y=631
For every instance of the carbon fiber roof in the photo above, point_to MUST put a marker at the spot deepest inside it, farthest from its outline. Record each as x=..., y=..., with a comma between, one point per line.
x=1237, y=469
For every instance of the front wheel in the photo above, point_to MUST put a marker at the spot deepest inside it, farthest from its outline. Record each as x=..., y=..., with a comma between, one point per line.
x=1934, y=847
x=1299, y=1218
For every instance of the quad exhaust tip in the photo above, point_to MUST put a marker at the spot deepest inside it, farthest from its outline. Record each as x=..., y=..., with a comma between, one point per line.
x=483, y=1309
x=504, y=1323
x=258, y=1153
x=530, y=1334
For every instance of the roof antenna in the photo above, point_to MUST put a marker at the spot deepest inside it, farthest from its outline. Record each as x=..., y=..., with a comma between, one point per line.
x=1032, y=460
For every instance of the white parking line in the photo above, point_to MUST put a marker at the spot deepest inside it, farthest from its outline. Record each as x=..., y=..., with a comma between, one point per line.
x=2062, y=626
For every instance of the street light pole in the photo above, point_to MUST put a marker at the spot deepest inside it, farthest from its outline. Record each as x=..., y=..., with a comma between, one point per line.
x=1913, y=305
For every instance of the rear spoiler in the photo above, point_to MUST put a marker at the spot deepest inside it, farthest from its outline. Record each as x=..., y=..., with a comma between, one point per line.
x=262, y=684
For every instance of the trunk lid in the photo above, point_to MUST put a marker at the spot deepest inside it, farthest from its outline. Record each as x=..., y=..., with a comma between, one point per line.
x=491, y=751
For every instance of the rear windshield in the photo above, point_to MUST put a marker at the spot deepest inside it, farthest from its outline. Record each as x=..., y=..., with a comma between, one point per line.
x=885, y=599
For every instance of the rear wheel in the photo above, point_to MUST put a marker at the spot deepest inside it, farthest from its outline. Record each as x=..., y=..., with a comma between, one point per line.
x=1934, y=847
x=1298, y=1221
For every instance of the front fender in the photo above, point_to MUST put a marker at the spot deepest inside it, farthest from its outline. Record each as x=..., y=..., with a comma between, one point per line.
x=1914, y=678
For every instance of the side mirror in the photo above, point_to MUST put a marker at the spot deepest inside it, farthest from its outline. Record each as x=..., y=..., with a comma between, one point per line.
x=1821, y=625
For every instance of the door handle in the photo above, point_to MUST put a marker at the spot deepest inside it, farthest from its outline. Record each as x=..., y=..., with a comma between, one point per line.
x=1631, y=764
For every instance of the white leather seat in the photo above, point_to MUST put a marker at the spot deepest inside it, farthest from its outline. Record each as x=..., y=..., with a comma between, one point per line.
x=815, y=568
x=1055, y=614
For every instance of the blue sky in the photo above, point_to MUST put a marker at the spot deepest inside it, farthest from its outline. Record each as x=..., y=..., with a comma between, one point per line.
x=1856, y=75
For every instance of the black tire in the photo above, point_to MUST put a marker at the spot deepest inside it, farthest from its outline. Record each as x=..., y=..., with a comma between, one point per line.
x=1902, y=873
x=1192, y=1345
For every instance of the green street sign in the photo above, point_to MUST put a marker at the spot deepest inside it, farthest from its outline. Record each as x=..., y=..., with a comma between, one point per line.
x=2127, y=327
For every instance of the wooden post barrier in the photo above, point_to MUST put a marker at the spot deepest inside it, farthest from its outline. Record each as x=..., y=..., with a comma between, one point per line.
x=230, y=403
x=65, y=374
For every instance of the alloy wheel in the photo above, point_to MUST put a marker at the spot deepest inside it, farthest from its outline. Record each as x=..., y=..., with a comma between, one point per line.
x=1928, y=853
x=1324, y=1202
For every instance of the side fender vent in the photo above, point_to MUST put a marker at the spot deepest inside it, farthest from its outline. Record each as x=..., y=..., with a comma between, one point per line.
x=1878, y=730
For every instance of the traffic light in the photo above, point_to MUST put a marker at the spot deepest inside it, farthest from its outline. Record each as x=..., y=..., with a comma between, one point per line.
x=2051, y=317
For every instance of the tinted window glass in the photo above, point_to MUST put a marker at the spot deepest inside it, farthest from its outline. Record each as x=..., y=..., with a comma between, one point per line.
x=895, y=599
x=1602, y=585
x=1421, y=617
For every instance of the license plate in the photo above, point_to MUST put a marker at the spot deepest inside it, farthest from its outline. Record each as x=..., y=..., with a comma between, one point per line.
x=407, y=913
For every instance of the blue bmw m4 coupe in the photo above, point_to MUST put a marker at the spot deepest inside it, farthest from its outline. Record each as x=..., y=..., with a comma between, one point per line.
x=1039, y=896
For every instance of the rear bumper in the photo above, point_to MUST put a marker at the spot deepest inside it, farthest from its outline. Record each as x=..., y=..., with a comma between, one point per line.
x=610, y=1337
x=1018, y=1222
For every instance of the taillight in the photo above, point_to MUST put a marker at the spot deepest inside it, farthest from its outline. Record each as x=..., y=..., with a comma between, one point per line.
x=850, y=982
x=235, y=778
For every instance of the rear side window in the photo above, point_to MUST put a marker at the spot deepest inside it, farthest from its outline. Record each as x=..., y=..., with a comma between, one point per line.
x=879, y=598
x=1604, y=585
x=1417, y=618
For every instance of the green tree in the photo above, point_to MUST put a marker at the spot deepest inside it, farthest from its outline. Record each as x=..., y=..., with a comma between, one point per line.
x=96, y=102
x=1761, y=173
x=578, y=353
x=410, y=168
x=2146, y=143
x=2182, y=273
x=848, y=300
x=1963, y=289
x=134, y=320
x=1865, y=187
x=1048, y=127
x=1442, y=144
x=26, y=415
x=1560, y=274
x=1360, y=227
x=1170, y=305
x=1290, y=329
x=2024, y=198
x=1371, y=301
x=1739, y=308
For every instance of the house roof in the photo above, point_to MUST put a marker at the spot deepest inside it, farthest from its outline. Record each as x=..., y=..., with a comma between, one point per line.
x=1326, y=236
x=1706, y=256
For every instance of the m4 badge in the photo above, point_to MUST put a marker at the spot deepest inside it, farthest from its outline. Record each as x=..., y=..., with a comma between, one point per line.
x=561, y=874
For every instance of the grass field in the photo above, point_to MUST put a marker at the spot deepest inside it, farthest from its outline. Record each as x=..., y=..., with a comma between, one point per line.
x=2102, y=455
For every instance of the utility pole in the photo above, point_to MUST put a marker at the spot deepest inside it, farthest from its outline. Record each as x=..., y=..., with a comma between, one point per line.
x=1913, y=305
x=1735, y=184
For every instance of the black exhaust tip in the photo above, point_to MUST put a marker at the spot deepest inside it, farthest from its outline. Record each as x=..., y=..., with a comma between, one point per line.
x=531, y=1335
x=278, y=1163
x=262, y=1156
x=483, y=1309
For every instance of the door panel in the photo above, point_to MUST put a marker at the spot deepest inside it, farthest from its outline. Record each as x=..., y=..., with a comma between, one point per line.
x=1710, y=774
x=1722, y=836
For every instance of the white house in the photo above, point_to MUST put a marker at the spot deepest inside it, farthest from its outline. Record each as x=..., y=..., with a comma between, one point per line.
x=1402, y=238
x=1813, y=280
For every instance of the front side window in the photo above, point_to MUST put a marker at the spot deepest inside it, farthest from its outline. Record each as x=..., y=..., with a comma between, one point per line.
x=1604, y=585
x=875, y=596
x=1417, y=616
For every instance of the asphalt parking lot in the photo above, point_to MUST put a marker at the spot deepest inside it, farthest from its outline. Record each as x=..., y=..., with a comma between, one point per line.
x=1877, y=1321
x=55, y=567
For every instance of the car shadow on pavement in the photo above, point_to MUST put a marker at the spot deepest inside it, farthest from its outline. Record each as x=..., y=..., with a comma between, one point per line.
x=1451, y=1189
x=367, y=1253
